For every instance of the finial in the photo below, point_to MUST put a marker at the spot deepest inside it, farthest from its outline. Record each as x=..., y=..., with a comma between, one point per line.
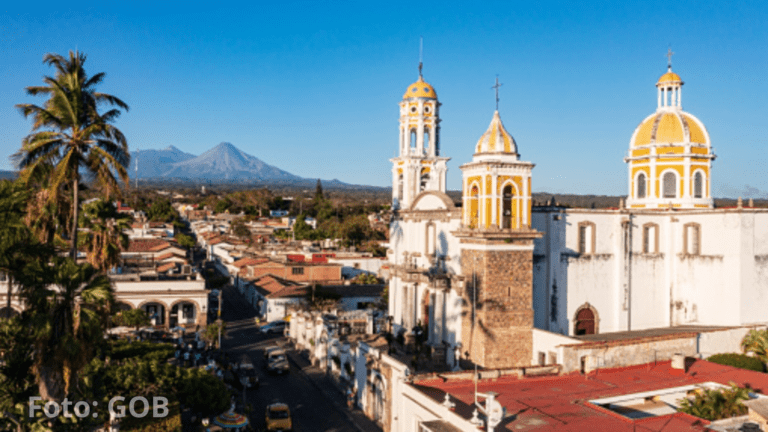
x=739, y=203
x=669, y=57
x=497, y=91
x=421, y=54
x=751, y=203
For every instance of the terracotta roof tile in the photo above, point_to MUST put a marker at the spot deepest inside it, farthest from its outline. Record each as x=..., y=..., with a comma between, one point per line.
x=145, y=245
x=165, y=267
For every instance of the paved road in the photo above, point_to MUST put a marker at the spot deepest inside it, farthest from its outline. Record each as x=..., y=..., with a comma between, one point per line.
x=311, y=409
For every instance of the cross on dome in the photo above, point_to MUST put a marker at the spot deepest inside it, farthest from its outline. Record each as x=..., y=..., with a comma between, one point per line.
x=497, y=91
x=669, y=58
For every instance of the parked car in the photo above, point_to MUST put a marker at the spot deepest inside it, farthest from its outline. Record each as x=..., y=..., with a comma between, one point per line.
x=274, y=327
x=269, y=350
x=278, y=417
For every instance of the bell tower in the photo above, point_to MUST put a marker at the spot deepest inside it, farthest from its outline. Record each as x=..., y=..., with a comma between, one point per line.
x=418, y=166
x=497, y=252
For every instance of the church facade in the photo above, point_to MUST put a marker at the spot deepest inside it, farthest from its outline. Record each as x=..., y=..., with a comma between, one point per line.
x=477, y=278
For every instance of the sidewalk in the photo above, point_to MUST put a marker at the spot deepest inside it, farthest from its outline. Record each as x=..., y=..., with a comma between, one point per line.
x=322, y=382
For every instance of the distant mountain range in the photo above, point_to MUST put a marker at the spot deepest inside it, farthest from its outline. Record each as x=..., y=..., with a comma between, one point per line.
x=224, y=163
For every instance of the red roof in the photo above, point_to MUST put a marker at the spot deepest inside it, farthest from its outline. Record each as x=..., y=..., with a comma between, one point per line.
x=249, y=261
x=145, y=245
x=165, y=267
x=273, y=286
x=560, y=403
x=162, y=246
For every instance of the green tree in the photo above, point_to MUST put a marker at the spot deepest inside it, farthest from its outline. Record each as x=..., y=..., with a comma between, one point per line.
x=69, y=135
x=70, y=303
x=105, y=238
x=366, y=279
x=132, y=318
x=355, y=229
x=319, y=191
x=222, y=206
x=162, y=211
x=211, y=332
x=17, y=383
x=715, y=404
x=185, y=240
x=239, y=229
x=756, y=341
x=301, y=229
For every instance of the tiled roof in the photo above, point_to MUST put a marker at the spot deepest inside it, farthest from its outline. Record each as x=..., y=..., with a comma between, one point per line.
x=145, y=245
x=165, y=267
x=561, y=403
x=249, y=261
x=162, y=246
x=273, y=286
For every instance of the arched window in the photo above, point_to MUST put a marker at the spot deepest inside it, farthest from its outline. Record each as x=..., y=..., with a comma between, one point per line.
x=507, y=214
x=424, y=180
x=586, y=322
x=400, y=187
x=413, y=140
x=474, y=215
x=426, y=140
x=641, y=186
x=670, y=185
x=698, y=185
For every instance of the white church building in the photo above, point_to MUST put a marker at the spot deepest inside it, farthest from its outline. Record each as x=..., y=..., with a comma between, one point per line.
x=480, y=276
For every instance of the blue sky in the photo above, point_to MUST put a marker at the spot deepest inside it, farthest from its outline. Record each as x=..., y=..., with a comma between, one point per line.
x=313, y=87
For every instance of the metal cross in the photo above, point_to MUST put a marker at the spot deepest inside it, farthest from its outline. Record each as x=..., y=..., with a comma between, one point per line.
x=497, y=91
x=421, y=54
x=669, y=57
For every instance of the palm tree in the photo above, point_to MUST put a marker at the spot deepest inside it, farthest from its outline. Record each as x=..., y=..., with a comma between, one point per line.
x=756, y=341
x=70, y=137
x=106, y=236
x=69, y=302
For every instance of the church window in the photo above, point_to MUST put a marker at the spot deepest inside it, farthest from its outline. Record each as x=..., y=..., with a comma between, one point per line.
x=698, y=185
x=426, y=139
x=670, y=185
x=692, y=238
x=424, y=181
x=586, y=238
x=413, y=109
x=400, y=187
x=641, y=186
x=586, y=321
x=650, y=238
x=426, y=109
x=413, y=139
x=474, y=206
x=429, y=241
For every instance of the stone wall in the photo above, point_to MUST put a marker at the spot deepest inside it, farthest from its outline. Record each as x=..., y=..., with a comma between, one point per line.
x=502, y=337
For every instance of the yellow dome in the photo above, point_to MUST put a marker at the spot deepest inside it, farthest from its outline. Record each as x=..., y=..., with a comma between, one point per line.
x=420, y=89
x=670, y=128
x=496, y=139
x=669, y=77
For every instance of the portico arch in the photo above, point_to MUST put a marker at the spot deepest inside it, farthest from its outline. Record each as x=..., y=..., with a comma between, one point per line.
x=184, y=312
x=6, y=312
x=156, y=311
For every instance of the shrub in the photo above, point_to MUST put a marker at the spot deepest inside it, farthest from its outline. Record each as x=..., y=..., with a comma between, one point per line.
x=716, y=404
x=740, y=361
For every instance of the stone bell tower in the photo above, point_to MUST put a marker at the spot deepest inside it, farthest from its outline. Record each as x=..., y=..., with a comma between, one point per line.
x=497, y=253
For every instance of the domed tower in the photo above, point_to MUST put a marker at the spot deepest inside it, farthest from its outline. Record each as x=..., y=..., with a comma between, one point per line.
x=418, y=166
x=497, y=252
x=497, y=185
x=670, y=155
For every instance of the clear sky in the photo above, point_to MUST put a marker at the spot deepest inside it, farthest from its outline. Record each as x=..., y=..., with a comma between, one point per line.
x=313, y=87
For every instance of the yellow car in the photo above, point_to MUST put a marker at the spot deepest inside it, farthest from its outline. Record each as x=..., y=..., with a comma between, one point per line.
x=278, y=417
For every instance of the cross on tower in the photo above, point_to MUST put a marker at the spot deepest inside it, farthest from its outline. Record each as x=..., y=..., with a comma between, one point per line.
x=497, y=91
x=669, y=58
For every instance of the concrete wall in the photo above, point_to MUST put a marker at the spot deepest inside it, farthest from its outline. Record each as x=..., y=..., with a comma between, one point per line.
x=628, y=353
x=722, y=341
x=551, y=345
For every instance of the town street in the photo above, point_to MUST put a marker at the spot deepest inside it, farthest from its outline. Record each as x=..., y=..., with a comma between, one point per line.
x=310, y=408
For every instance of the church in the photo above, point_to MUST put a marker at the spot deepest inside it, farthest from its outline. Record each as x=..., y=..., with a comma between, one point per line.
x=478, y=277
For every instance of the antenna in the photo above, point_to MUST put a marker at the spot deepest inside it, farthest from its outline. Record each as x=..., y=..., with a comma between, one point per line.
x=421, y=54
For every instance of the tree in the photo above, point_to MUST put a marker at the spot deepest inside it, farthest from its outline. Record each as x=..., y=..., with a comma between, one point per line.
x=366, y=279
x=319, y=191
x=106, y=237
x=211, y=332
x=69, y=302
x=162, y=211
x=715, y=404
x=185, y=240
x=239, y=229
x=135, y=318
x=756, y=341
x=222, y=206
x=69, y=135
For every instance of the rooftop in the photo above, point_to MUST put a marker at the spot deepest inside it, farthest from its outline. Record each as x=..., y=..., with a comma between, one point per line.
x=562, y=403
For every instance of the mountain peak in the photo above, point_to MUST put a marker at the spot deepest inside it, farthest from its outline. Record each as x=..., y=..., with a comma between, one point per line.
x=171, y=148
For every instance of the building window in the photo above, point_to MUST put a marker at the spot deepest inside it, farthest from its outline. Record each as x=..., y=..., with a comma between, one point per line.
x=297, y=270
x=692, y=238
x=650, y=238
x=474, y=210
x=424, y=181
x=507, y=215
x=430, y=239
x=400, y=187
x=670, y=185
x=542, y=358
x=641, y=186
x=426, y=140
x=586, y=238
x=698, y=185
x=586, y=320
x=413, y=138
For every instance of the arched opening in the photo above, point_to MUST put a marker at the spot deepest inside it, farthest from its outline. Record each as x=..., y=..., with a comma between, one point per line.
x=413, y=140
x=670, y=185
x=427, y=301
x=640, y=186
x=155, y=312
x=424, y=181
x=698, y=185
x=585, y=321
x=426, y=140
x=6, y=312
x=378, y=400
x=183, y=313
x=400, y=187
x=474, y=215
x=508, y=213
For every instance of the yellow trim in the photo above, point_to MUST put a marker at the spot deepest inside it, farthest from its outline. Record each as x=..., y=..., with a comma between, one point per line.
x=400, y=171
x=699, y=150
x=697, y=134
x=701, y=206
x=638, y=206
x=640, y=152
x=670, y=150
x=420, y=89
x=424, y=170
x=644, y=133
x=669, y=77
x=488, y=190
x=672, y=160
x=487, y=212
x=699, y=160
